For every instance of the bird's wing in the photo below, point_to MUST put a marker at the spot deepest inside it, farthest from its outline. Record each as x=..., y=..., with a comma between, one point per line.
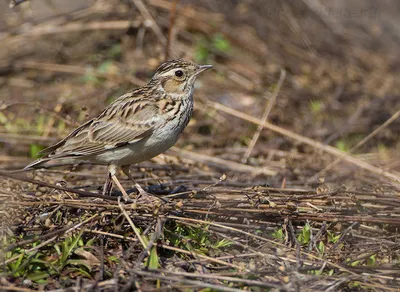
x=128, y=120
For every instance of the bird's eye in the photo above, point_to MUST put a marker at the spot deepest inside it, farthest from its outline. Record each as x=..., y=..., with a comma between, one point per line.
x=178, y=73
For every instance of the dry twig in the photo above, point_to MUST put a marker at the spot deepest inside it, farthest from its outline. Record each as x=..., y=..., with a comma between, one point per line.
x=222, y=163
x=315, y=144
x=264, y=118
x=152, y=23
x=358, y=145
x=172, y=18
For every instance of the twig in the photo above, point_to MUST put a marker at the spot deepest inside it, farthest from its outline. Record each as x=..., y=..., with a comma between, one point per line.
x=52, y=120
x=194, y=254
x=17, y=289
x=219, y=278
x=135, y=229
x=57, y=232
x=44, y=243
x=322, y=268
x=101, y=268
x=22, y=138
x=172, y=248
x=147, y=16
x=344, y=234
x=102, y=286
x=56, y=187
x=33, y=249
x=296, y=243
x=42, y=237
x=315, y=144
x=358, y=145
x=296, y=27
x=222, y=163
x=39, y=106
x=323, y=13
x=183, y=280
x=264, y=118
x=154, y=237
x=228, y=257
x=320, y=232
x=72, y=69
x=76, y=27
x=172, y=17
x=258, y=237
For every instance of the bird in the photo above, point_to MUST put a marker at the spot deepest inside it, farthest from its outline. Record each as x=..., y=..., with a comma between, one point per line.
x=137, y=126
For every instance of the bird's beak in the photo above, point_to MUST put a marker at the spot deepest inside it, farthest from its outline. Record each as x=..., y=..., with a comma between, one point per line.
x=202, y=68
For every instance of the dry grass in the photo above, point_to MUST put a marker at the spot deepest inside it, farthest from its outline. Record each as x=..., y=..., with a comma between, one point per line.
x=315, y=206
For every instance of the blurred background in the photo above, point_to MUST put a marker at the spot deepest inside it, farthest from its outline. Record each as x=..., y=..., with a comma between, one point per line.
x=62, y=62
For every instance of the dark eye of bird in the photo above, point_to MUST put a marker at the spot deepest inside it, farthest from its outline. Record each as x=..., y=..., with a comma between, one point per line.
x=179, y=73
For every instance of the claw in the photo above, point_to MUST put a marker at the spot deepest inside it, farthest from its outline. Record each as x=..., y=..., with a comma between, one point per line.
x=141, y=191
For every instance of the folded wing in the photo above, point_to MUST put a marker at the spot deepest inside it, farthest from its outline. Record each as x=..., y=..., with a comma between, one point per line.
x=124, y=122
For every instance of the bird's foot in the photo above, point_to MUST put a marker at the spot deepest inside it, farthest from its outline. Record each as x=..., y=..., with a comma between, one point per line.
x=148, y=197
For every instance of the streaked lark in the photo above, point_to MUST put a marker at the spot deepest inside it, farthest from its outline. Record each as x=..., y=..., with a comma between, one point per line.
x=137, y=126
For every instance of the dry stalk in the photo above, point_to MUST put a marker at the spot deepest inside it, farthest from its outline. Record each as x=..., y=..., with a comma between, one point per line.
x=310, y=142
x=358, y=145
x=219, y=162
x=172, y=18
x=152, y=23
x=264, y=118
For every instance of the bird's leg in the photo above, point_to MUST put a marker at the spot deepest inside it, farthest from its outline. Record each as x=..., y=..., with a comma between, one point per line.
x=113, y=170
x=142, y=192
x=107, y=185
x=125, y=169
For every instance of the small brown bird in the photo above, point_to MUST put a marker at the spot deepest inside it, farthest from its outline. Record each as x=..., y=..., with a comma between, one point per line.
x=137, y=126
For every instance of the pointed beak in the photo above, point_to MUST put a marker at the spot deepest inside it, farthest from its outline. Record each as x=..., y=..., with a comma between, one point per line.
x=202, y=68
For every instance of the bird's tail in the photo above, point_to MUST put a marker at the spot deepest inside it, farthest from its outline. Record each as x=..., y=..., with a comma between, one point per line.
x=36, y=164
x=40, y=163
x=50, y=162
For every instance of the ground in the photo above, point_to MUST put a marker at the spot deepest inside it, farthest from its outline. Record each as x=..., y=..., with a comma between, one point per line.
x=287, y=177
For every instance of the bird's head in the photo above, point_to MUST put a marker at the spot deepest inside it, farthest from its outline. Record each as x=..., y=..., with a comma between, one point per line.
x=178, y=76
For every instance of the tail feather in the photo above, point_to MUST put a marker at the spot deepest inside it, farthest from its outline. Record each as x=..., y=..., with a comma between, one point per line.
x=50, y=162
x=36, y=164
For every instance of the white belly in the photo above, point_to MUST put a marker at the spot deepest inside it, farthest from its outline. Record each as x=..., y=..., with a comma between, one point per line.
x=159, y=141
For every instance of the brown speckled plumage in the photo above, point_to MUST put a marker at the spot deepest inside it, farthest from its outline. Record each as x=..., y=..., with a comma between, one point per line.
x=136, y=126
